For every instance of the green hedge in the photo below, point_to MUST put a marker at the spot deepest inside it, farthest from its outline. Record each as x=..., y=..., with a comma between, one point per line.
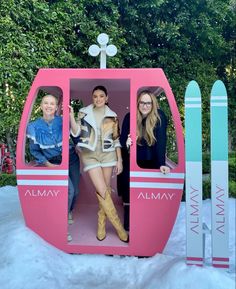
x=206, y=164
x=7, y=180
x=207, y=189
x=206, y=167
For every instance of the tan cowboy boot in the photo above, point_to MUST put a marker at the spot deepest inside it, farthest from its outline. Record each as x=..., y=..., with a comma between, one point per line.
x=101, y=231
x=111, y=213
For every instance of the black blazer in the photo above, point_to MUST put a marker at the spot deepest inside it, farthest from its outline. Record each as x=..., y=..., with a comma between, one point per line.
x=148, y=156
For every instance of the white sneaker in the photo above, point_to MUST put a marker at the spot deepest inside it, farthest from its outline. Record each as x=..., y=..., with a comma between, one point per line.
x=70, y=218
x=69, y=238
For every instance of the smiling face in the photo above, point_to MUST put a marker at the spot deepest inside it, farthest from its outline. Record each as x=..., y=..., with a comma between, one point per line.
x=99, y=98
x=49, y=106
x=145, y=104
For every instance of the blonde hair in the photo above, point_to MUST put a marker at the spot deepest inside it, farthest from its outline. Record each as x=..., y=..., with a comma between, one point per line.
x=151, y=120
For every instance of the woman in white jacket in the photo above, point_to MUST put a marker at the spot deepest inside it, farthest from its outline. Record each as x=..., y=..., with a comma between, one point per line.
x=98, y=139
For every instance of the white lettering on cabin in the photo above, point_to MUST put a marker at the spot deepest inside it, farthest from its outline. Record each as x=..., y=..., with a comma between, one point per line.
x=42, y=193
x=156, y=196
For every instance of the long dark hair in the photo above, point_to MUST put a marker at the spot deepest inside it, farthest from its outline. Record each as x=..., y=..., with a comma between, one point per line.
x=100, y=87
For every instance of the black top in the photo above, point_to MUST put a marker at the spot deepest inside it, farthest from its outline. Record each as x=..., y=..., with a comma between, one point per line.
x=151, y=157
x=147, y=156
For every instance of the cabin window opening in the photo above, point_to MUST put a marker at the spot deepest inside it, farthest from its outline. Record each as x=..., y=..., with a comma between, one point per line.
x=156, y=144
x=86, y=208
x=44, y=131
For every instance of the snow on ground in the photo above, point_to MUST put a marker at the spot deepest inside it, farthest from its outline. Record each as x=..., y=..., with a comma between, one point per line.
x=28, y=262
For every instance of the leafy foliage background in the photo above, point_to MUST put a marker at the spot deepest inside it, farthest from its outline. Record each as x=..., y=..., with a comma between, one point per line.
x=188, y=39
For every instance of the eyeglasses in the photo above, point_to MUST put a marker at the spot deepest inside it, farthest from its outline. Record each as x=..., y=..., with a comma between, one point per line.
x=143, y=103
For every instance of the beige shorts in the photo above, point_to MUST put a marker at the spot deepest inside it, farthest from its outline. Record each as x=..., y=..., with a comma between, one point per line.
x=98, y=158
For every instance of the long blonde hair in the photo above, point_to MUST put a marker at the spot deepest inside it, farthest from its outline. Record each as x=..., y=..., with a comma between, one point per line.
x=151, y=120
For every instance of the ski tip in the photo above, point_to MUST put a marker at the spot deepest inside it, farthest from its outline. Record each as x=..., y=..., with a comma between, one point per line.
x=218, y=89
x=192, y=90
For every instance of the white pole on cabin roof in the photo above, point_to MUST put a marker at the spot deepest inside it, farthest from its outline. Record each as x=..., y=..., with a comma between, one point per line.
x=104, y=50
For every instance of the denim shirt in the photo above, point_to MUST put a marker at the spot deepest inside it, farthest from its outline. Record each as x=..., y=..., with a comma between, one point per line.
x=45, y=138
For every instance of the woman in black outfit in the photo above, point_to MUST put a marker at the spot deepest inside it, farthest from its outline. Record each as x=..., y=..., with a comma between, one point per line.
x=151, y=143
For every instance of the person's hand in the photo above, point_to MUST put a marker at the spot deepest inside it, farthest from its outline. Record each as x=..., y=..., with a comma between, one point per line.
x=50, y=165
x=129, y=142
x=164, y=169
x=119, y=167
x=77, y=150
x=71, y=110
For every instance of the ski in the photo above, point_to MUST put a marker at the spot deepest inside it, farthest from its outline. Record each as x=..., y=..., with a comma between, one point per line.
x=193, y=188
x=219, y=175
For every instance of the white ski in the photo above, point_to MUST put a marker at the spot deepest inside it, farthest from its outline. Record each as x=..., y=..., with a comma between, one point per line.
x=193, y=189
x=219, y=175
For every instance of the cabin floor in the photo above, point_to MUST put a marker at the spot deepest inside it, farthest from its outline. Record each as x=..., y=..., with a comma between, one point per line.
x=84, y=228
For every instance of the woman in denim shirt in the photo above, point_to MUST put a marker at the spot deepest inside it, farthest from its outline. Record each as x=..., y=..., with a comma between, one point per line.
x=46, y=140
x=45, y=135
